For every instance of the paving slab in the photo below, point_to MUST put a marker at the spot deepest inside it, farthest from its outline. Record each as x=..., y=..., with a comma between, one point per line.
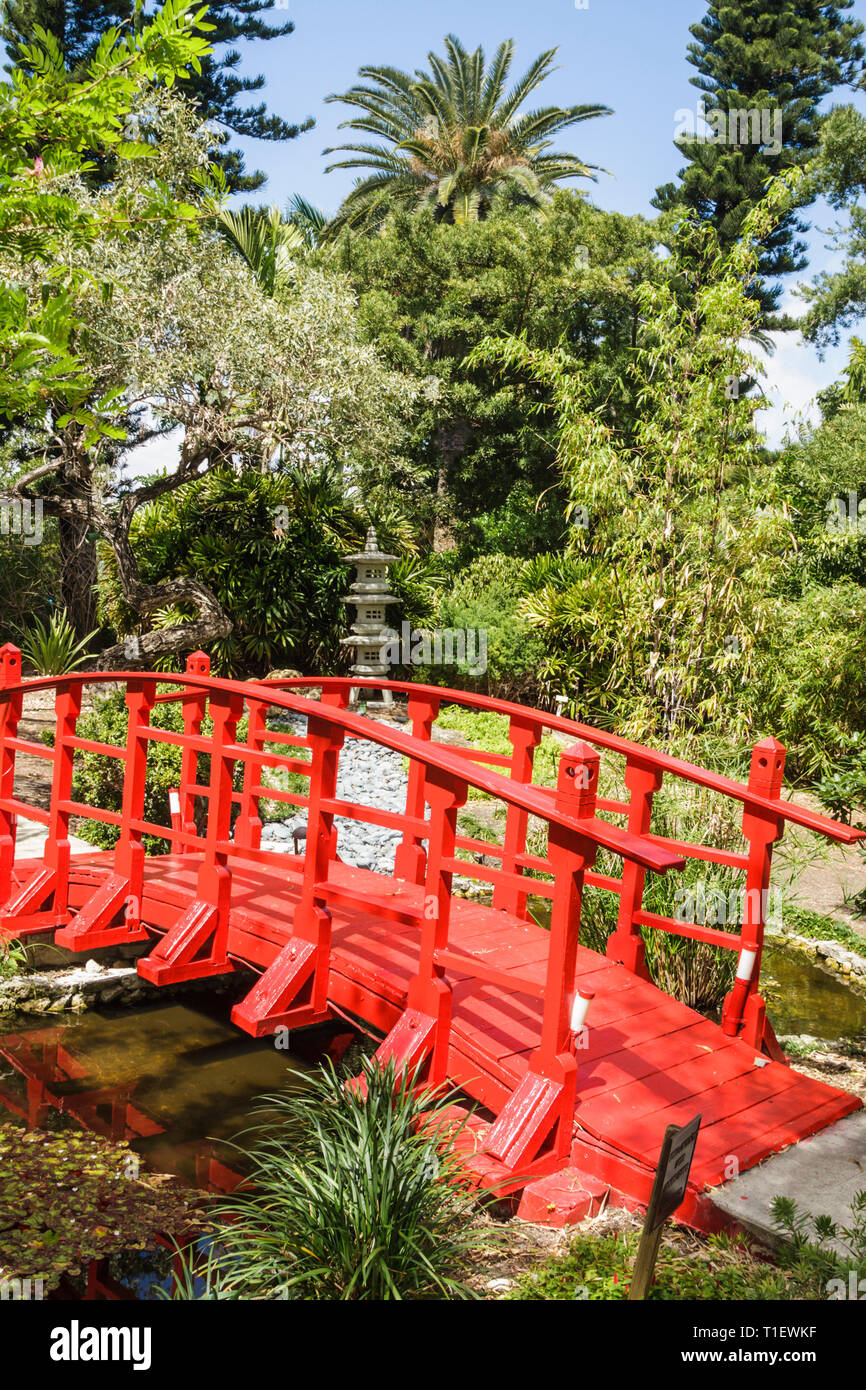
x=822, y=1174
x=30, y=841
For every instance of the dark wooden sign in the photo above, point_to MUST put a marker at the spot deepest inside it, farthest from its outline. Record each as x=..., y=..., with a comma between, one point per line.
x=669, y=1189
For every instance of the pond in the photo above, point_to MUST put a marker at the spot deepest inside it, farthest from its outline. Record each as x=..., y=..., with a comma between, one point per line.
x=803, y=998
x=176, y=1080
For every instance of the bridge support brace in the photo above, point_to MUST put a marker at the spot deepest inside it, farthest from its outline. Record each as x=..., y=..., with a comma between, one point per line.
x=189, y=950
x=419, y=1039
x=289, y=993
x=92, y=925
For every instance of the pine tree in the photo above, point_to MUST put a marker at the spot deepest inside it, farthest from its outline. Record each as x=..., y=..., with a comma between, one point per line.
x=78, y=26
x=764, y=66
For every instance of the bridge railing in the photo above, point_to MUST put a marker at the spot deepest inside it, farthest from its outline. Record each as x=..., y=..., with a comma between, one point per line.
x=225, y=774
x=764, y=816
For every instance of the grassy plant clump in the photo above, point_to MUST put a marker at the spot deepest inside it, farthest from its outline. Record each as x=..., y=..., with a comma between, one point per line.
x=349, y=1196
x=13, y=958
x=720, y=1267
x=804, y=922
x=53, y=648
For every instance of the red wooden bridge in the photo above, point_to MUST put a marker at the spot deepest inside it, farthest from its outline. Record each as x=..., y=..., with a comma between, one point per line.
x=577, y=1060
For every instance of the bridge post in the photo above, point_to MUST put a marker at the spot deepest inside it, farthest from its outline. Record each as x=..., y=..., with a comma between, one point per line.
x=58, y=851
x=10, y=714
x=196, y=947
x=194, y=706
x=94, y=924
x=248, y=826
x=626, y=943
x=421, y=1036
x=525, y=737
x=536, y=1125
x=744, y=1010
x=410, y=857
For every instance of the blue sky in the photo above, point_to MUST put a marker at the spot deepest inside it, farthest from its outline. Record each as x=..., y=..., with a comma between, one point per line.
x=626, y=54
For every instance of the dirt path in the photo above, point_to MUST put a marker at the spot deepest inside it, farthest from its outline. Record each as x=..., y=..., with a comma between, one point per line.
x=837, y=872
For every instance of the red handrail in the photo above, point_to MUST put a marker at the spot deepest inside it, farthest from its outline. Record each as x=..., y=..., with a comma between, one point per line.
x=613, y=743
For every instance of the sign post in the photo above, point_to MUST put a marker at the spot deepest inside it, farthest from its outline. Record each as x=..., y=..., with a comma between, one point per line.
x=669, y=1189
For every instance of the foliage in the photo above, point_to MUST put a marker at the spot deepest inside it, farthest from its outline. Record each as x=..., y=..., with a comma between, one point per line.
x=429, y=293
x=811, y=689
x=843, y=790
x=67, y=1199
x=453, y=139
x=13, y=958
x=599, y=1268
x=353, y=1194
x=779, y=61
x=52, y=648
x=804, y=922
x=270, y=547
x=44, y=225
x=188, y=340
x=266, y=242
x=28, y=581
x=669, y=569
x=484, y=598
x=836, y=298
x=215, y=88
x=490, y=731
x=809, y=1236
x=98, y=780
x=693, y=972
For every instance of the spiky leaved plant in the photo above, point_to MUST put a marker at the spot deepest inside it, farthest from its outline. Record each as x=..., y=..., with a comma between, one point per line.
x=354, y=1192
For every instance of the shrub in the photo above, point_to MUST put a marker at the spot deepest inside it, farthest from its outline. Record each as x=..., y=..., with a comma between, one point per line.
x=349, y=1197
x=483, y=597
x=98, y=780
x=599, y=1268
x=270, y=547
x=52, y=648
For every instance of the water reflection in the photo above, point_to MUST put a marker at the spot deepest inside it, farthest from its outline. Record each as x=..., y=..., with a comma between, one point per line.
x=169, y=1078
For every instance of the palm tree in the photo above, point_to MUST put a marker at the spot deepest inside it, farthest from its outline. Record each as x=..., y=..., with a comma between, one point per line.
x=309, y=220
x=267, y=243
x=454, y=137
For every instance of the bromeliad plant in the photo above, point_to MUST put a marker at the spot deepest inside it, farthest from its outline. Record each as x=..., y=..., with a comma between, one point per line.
x=53, y=648
x=353, y=1193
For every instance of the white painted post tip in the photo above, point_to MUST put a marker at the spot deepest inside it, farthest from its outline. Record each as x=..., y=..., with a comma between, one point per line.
x=746, y=964
x=579, y=1011
x=174, y=803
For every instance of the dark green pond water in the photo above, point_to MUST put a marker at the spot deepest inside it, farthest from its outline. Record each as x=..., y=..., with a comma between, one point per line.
x=801, y=998
x=171, y=1078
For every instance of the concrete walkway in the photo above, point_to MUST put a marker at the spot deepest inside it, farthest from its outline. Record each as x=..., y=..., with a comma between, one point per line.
x=30, y=841
x=822, y=1174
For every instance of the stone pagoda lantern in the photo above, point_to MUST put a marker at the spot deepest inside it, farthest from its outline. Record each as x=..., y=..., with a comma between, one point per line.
x=371, y=597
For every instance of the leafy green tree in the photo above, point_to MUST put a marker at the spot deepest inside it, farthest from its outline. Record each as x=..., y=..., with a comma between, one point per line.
x=176, y=330
x=455, y=137
x=430, y=292
x=777, y=61
x=268, y=545
x=49, y=127
x=266, y=242
x=79, y=25
x=655, y=614
x=837, y=298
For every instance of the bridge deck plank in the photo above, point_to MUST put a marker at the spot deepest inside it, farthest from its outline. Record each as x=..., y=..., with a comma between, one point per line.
x=650, y=1061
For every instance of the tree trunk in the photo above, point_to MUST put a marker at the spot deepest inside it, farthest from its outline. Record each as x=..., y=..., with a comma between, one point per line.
x=78, y=573
x=451, y=440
